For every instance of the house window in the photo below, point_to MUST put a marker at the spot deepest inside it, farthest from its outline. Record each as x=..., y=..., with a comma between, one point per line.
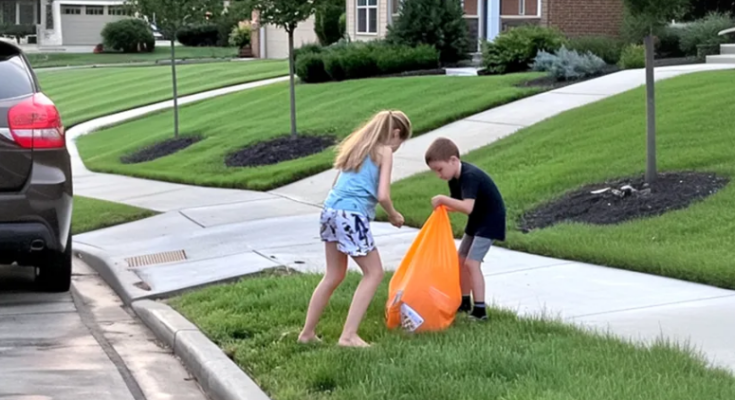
x=7, y=13
x=367, y=16
x=27, y=13
x=95, y=10
x=521, y=7
x=117, y=10
x=71, y=10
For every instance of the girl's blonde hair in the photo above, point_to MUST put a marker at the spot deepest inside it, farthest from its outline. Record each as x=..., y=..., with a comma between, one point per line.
x=351, y=152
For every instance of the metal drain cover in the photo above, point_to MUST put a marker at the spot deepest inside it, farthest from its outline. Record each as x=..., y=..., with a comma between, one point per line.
x=156, y=258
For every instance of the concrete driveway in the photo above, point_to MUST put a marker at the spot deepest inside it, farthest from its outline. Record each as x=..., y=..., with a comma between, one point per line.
x=80, y=345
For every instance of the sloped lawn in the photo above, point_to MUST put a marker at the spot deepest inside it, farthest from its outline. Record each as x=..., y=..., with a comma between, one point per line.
x=256, y=321
x=607, y=140
x=231, y=122
x=92, y=214
x=83, y=94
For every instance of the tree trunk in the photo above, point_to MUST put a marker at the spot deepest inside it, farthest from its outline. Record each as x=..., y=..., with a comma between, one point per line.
x=291, y=76
x=176, y=93
x=650, y=112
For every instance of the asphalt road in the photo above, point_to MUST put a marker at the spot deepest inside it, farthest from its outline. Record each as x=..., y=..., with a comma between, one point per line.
x=80, y=345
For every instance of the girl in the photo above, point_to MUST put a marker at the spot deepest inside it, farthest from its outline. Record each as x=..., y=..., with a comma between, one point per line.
x=364, y=162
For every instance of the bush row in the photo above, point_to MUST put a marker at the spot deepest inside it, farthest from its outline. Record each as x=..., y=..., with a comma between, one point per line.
x=345, y=60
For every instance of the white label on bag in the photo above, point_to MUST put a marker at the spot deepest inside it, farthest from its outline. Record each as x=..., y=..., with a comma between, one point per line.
x=410, y=319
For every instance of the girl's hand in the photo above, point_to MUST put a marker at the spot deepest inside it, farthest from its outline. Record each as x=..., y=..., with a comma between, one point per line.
x=396, y=219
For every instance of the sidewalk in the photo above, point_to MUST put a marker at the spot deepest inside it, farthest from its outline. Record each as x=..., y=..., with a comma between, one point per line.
x=212, y=235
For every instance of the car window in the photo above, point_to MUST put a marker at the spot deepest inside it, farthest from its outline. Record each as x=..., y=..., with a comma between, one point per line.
x=15, y=79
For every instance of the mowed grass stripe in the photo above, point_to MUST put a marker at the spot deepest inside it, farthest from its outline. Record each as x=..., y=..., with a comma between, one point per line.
x=83, y=94
x=231, y=122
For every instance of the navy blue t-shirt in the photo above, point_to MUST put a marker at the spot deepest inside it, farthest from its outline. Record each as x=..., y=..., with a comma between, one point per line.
x=487, y=218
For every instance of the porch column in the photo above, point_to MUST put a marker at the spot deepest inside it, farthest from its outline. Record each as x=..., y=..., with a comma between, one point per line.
x=493, y=19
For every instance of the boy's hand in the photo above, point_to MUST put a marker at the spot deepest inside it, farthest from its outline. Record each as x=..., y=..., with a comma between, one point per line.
x=396, y=219
x=438, y=200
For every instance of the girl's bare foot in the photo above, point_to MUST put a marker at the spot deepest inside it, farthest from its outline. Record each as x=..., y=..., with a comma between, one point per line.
x=354, y=341
x=309, y=338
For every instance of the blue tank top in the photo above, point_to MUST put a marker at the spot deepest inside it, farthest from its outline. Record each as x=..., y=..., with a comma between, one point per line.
x=356, y=191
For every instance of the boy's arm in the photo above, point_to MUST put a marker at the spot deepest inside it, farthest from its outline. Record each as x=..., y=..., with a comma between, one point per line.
x=464, y=206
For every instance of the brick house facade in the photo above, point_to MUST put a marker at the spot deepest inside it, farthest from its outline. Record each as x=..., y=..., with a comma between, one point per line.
x=369, y=19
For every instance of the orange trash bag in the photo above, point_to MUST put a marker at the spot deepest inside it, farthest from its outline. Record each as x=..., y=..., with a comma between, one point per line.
x=424, y=293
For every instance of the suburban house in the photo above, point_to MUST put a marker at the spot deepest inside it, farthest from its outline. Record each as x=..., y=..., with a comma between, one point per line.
x=63, y=22
x=269, y=41
x=369, y=19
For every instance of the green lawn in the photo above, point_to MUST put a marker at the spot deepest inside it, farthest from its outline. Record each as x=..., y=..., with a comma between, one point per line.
x=41, y=60
x=83, y=94
x=607, y=140
x=231, y=122
x=257, y=320
x=92, y=214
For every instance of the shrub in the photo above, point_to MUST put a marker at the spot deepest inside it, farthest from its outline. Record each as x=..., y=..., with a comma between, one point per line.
x=345, y=60
x=310, y=68
x=633, y=56
x=566, y=65
x=17, y=31
x=129, y=35
x=515, y=49
x=308, y=48
x=604, y=47
x=669, y=42
x=438, y=23
x=199, y=35
x=240, y=36
x=634, y=28
x=328, y=21
x=704, y=32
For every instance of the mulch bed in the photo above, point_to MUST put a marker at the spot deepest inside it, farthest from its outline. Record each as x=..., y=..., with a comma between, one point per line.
x=280, y=149
x=160, y=149
x=625, y=199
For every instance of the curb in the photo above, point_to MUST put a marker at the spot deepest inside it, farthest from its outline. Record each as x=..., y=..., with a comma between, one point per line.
x=217, y=374
x=219, y=377
x=120, y=279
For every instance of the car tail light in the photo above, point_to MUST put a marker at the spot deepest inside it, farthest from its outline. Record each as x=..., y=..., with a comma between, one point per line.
x=36, y=124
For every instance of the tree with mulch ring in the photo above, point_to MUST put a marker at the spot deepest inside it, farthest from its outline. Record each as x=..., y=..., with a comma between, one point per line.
x=280, y=149
x=160, y=149
x=606, y=140
x=626, y=199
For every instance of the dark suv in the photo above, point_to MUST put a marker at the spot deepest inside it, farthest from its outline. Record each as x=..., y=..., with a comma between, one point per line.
x=36, y=194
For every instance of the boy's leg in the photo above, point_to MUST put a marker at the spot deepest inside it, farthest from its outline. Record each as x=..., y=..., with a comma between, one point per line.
x=465, y=280
x=473, y=263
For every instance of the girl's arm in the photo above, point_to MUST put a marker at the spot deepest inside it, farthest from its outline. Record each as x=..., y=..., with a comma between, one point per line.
x=386, y=167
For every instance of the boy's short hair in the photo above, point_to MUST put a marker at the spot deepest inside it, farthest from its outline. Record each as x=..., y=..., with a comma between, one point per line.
x=441, y=150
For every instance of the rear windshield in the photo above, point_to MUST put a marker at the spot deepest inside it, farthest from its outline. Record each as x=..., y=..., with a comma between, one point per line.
x=15, y=80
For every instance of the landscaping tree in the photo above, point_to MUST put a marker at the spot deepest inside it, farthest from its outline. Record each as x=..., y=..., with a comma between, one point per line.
x=287, y=14
x=655, y=13
x=172, y=15
x=438, y=23
x=327, y=21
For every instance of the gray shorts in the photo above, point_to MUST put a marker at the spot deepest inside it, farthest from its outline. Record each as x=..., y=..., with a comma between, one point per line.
x=474, y=248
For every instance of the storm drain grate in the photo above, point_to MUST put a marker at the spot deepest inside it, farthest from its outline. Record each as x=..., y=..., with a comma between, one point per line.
x=157, y=258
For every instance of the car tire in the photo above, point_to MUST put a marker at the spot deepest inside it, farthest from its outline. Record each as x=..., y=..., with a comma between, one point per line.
x=55, y=275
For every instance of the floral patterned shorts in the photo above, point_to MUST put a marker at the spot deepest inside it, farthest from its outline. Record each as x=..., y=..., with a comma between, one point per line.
x=351, y=231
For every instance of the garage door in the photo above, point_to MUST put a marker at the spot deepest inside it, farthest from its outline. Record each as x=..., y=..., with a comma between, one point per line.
x=276, y=39
x=82, y=25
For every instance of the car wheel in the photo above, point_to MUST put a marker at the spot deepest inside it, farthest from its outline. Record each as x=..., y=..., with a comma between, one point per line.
x=55, y=275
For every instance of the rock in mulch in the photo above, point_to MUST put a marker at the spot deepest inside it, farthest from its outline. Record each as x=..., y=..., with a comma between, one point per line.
x=280, y=149
x=625, y=199
x=160, y=149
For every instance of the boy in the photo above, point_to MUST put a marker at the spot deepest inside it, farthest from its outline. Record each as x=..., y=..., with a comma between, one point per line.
x=474, y=193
